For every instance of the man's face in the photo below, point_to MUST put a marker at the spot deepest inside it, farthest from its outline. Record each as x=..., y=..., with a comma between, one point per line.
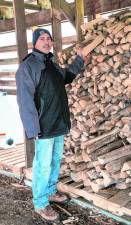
x=44, y=43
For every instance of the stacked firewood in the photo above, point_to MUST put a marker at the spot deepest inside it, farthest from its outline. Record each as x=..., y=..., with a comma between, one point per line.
x=98, y=145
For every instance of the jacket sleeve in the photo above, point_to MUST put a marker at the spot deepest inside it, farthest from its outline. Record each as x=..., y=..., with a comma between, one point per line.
x=25, y=98
x=73, y=69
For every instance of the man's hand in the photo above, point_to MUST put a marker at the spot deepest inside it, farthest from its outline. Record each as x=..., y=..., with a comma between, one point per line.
x=79, y=52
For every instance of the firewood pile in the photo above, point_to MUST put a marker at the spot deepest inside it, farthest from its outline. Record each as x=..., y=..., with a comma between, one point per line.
x=98, y=148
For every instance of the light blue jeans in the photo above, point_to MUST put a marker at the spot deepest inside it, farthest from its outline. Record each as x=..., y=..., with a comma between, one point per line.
x=45, y=170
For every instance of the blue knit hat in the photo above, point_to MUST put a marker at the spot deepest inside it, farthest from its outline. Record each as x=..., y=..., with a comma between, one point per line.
x=37, y=33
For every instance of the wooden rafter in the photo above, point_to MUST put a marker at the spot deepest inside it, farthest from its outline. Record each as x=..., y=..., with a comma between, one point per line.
x=67, y=11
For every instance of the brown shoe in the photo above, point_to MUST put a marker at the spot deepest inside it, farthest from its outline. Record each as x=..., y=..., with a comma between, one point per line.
x=47, y=214
x=58, y=197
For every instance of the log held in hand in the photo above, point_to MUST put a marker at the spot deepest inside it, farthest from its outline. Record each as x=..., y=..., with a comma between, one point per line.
x=89, y=48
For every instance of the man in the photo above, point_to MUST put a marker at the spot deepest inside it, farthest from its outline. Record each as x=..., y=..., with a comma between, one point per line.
x=44, y=111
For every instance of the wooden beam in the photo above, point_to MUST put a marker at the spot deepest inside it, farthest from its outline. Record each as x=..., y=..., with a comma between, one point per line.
x=67, y=11
x=20, y=29
x=11, y=83
x=32, y=19
x=12, y=48
x=8, y=61
x=69, y=40
x=56, y=27
x=7, y=74
x=65, y=41
x=26, y=5
x=79, y=8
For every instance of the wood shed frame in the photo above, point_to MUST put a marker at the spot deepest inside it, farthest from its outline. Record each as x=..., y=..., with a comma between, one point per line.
x=61, y=10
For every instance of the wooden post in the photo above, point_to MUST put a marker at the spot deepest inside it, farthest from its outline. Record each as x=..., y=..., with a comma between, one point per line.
x=20, y=28
x=56, y=27
x=79, y=18
x=29, y=152
x=22, y=51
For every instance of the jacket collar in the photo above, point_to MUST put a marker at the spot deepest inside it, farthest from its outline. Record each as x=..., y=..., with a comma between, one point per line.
x=42, y=56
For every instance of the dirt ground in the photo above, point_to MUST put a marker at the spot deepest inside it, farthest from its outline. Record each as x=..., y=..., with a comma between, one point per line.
x=16, y=208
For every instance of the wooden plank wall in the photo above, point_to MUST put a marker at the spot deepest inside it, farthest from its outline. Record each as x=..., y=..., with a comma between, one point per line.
x=94, y=7
x=7, y=82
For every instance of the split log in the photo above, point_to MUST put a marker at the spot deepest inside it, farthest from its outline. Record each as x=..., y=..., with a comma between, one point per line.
x=116, y=165
x=116, y=154
x=94, y=44
x=105, y=149
x=105, y=139
x=126, y=166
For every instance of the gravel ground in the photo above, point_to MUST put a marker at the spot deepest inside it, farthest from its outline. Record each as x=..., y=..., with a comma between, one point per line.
x=16, y=208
